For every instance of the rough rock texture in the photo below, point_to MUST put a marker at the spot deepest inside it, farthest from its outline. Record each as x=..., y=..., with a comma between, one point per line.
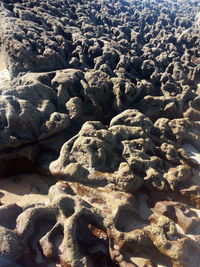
x=131, y=152
x=93, y=65
x=83, y=226
x=103, y=96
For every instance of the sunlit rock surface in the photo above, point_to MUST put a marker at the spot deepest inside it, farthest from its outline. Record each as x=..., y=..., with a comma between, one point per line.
x=99, y=133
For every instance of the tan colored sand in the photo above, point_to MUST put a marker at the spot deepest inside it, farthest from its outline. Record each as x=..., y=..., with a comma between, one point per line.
x=23, y=190
x=2, y=62
x=4, y=74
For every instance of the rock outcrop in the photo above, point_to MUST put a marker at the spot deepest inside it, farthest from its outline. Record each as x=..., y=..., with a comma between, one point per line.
x=103, y=97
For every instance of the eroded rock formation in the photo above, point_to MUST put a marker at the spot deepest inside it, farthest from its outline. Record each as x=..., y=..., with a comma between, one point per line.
x=102, y=97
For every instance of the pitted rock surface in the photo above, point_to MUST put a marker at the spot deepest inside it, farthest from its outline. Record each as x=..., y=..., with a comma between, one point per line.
x=103, y=98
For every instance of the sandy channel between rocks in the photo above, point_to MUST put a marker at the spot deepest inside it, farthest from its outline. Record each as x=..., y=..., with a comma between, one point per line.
x=192, y=152
x=2, y=62
x=4, y=74
x=24, y=189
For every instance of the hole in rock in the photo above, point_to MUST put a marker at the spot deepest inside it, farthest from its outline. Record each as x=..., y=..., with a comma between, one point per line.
x=8, y=215
x=67, y=205
x=34, y=257
x=127, y=221
x=57, y=238
x=94, y=244
x=42, y=226
x=97, y=232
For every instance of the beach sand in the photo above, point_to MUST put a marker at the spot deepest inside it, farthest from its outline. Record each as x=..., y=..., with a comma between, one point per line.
x=24, y=189
x=4, y=74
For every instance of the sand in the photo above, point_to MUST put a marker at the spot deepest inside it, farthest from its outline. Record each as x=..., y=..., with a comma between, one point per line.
x=2, y=62
x=192, y=152
x=4, y=74
x=24, y=189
